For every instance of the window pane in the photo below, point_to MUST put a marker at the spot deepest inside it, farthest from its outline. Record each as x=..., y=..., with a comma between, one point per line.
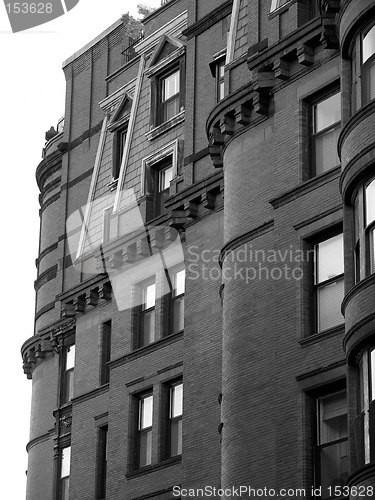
x=372, y=373
x=330, y=258
x=176, y=403
x=370, y=203
x=330, y=297
x=165, y=177
x=145, y=408
x=148, y=328
x=149, y=298
x=178, y=314
x=176, y=437
x=65, y=488
x=171, y=85
x=70, y=357
x=65, y=461
x=334, y=466
x=326, y=156
x=327, y=112
x=368, y=45
x=171, y=108
x=145, y=448
x=221, y=91
x=368, y=82
x=179, y=283
x=69, y=386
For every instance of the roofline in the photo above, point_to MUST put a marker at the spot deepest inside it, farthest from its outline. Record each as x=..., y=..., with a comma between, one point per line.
x=92, y=43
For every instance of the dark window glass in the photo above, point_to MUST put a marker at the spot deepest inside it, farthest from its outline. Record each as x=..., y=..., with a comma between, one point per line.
x=101, y=474
x=332, y=449
x=105, y=352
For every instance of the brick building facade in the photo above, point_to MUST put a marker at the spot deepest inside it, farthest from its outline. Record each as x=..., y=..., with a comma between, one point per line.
x=206, y=262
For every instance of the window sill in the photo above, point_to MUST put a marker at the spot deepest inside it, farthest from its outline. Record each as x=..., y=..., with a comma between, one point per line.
x=318, y=337
x=154, y=467
x=164, y=127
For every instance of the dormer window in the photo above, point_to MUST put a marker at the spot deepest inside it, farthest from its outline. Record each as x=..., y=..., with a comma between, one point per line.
x=170, y=95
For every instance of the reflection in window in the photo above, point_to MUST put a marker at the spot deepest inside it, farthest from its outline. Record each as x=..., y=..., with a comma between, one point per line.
x=329, y=282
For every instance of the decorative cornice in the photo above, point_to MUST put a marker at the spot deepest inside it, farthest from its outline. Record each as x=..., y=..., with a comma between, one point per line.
x=44, y=344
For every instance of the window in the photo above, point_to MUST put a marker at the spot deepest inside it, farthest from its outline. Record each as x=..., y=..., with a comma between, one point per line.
x=364, y=208
x=178, y=301
x=175, y=420
x=276, y=4
x=163, y=175
x=147, y=315
x=329, y=282
x=101, y=468
x=144, y=448
x=170, y=96
x=158, y=171
x=168, y=93
x=64, y=473
x=105, y=352
x=363, y=68
x=326, y=130
x=219, y=77
x=332, y=463
x=118, y=150
x=364, y=424
x=68, y=374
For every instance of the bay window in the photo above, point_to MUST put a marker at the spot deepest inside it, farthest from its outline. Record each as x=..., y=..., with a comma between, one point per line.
x=364, y=227
x=364, y=424
x=363, y=68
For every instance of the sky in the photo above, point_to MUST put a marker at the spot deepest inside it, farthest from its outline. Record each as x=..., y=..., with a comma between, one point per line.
x=32, y=90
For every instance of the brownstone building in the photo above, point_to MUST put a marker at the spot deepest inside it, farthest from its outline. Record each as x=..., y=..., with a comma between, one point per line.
x=205, y=290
